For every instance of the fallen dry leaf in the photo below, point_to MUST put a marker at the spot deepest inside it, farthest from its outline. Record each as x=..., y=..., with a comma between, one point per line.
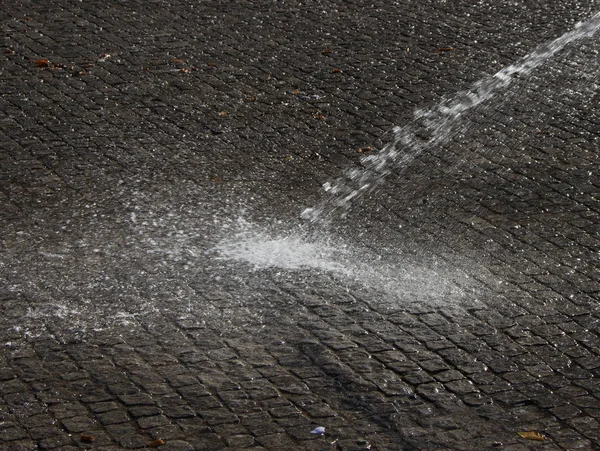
x=532, y=435
x=156, y=443
x=224, y=114
x=296, y=92
x=42, y=63
x=177, y=60
x=364, y=149
x=8, y=51
x=87, y=438
x=320, y=117
x=326, y=51
x=337, y=70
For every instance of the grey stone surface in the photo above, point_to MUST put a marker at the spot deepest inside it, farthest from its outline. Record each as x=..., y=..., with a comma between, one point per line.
x=137, y=136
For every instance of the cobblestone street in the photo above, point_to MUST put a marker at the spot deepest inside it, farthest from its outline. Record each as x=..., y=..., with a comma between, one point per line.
x=159, y=288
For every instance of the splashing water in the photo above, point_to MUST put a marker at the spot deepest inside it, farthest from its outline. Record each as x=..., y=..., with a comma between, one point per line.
x=263, y=250
x=433, y=127
x=420, y=278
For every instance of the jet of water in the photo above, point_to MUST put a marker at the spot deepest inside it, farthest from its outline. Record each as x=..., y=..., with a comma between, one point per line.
x=433, y=127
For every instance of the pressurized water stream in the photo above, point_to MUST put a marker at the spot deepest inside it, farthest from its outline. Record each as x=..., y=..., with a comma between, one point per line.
x=432, y=127
x=321, y=251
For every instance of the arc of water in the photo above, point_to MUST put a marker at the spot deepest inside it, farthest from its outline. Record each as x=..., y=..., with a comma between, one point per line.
x=437, y=124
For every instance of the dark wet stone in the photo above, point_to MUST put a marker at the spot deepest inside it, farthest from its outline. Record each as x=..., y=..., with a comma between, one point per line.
x=136, y=136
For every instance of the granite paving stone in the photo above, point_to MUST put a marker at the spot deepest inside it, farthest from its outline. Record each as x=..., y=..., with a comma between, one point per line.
x=157, y=280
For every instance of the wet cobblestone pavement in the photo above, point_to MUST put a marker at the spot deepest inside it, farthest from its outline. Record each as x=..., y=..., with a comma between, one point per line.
x=157, y=288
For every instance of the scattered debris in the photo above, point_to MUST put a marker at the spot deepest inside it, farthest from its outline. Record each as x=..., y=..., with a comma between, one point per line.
x=326, y=51
x=156, y=443
x=177, y=60
x=104, y=57
x=319, y=430
x=78, y=73
x=42, y=63
x=532, y=435
x=364, y=149
x=87, y=438
x=8, y=51
x=74, y=71
x=224, y=114
x=310, y=97
x=337, y=70
x=296, y=92
x=320, y=117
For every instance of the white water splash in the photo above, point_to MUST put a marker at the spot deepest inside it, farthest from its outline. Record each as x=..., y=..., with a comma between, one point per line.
x=434, y=127
x=395, y=274
x=263, y=250
x=290, y=253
